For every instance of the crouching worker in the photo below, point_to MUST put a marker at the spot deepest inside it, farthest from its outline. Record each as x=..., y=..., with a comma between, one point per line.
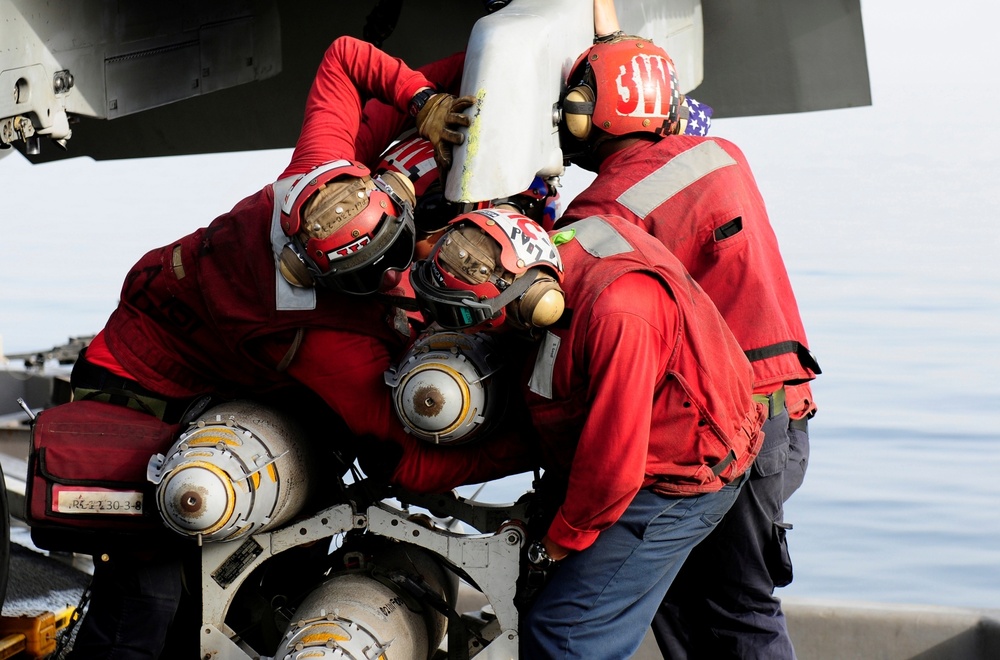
x=641, y=396
x=278, y=295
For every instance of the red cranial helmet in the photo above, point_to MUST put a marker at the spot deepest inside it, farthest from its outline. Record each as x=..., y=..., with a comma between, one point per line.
x=627, y=85
x=413, y=157
x=346, y=227
x=492, y=266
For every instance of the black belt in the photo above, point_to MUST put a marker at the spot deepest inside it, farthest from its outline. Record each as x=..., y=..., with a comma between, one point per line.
x=95, y=383
x=775, y=402
x=719, y=467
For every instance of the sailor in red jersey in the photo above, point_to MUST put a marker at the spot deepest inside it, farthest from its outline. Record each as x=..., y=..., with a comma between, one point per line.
x=223, y=310
x=697, y=195
x=276, y=296
x=641, y=397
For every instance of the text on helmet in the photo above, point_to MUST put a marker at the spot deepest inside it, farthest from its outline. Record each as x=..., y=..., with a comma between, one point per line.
x=530, y=242
x=349, y=249
x=644, y=86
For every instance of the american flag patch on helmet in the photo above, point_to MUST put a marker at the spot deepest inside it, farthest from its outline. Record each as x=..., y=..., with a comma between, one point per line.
x=699, y=117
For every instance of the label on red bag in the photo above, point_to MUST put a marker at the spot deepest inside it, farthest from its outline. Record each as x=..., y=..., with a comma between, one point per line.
x=100, y=501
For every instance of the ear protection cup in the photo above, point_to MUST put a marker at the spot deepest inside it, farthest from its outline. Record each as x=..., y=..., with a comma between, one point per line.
x=578, y=111
x=294, y=269
x=401, y=185
x=542, y=304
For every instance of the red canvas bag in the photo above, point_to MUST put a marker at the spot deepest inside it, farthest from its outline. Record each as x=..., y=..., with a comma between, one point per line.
x=87, y=470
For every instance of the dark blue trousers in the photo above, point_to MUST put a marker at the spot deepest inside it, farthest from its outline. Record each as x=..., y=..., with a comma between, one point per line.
x=722, y=604
x=600, y=601
x=134, y=600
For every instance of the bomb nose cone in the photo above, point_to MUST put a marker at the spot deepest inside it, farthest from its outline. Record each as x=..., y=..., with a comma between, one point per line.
x=198, y=499
x=428, y=401
x=436, y=400
x=192, y=503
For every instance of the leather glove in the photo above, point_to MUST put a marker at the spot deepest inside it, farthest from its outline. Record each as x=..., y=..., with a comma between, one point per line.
x=437, y=121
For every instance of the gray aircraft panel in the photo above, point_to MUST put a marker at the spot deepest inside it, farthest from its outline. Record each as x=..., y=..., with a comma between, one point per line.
x=236, y=79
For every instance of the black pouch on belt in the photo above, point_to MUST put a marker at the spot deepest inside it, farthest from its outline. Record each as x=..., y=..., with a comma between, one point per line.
x=776, y=557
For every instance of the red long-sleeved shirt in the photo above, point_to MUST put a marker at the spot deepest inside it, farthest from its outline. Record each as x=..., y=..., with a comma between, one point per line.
x=633, y=318
x=351, y=71
x=698, y=196
x=642, y=385
x=340, y=364
x=382, y=123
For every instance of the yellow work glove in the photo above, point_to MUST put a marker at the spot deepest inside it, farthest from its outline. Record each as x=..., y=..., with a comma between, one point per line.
x=437, y=122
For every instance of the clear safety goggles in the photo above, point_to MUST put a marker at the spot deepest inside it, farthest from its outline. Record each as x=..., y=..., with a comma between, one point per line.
x=452, y=309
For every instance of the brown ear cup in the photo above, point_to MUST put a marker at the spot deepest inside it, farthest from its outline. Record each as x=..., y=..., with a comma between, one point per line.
x=579, y=124
x=293, y=269
x=401, y=185
x=542, y=304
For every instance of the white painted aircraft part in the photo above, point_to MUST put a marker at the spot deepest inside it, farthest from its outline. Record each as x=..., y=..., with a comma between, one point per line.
x=516, y=66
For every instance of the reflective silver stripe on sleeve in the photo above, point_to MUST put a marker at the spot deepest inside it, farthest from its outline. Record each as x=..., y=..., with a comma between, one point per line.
x=599, y=238
x=286, y=296
x=541, y=377
x=679, y=173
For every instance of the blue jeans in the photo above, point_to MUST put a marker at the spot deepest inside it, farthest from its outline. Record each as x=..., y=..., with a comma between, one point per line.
x=601, y=601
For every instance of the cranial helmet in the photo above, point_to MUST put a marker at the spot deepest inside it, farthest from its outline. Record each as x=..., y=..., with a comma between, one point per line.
x=627, y=85
x=491, y=266
x=446, y=389
x=346, y=227
x=413, y=158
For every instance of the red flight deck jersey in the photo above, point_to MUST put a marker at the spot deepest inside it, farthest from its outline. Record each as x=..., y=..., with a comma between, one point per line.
x=190, y=309
x=211, y=313
x=640, y=385
x=697, y=195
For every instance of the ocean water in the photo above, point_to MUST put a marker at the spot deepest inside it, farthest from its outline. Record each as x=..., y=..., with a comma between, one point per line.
x=888, y=221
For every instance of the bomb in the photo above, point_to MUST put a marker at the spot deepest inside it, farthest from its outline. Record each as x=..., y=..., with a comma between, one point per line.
x=240, y=468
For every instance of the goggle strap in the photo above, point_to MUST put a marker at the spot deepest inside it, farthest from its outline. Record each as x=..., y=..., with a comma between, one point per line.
x=579, y=107
x=402, y=302
x=384, y=186
x=513, y=292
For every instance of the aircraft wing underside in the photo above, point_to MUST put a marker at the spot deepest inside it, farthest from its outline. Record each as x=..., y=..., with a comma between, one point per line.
x=135, y=79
